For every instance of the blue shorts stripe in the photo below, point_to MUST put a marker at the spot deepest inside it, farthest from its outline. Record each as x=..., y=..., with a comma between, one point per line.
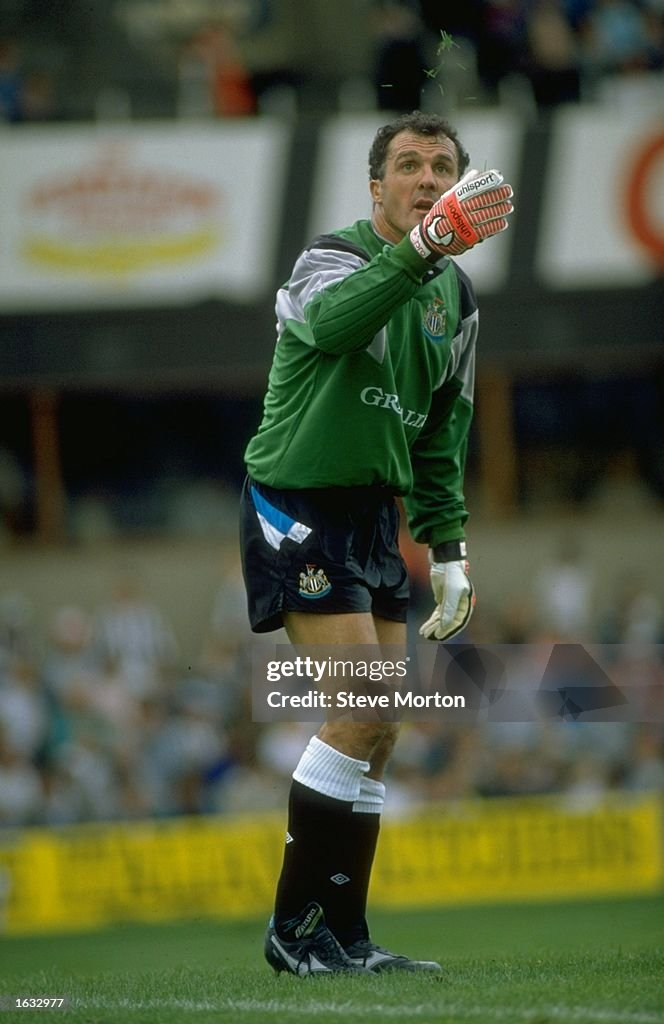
x=274, y=516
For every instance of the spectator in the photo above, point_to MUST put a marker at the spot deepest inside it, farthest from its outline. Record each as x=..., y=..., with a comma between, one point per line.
x=634, y=617
x=13, y=488
x=39, y=97
x=212, y=65
x=183, y=751
x=21, y=793
x=10, y=81
x=501, y=43
x=563, y=592
x=89, y=778
x=645, y=770
x=23, y=710
x=17, y=635
x=553, y=55
x=401, y=61
x=70, y=666
x=132, y=638
x=618, y=38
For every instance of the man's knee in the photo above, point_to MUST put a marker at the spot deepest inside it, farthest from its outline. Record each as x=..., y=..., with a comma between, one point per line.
x=359, y=739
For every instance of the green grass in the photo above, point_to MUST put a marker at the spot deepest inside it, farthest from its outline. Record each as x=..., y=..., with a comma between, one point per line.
x=568, y=963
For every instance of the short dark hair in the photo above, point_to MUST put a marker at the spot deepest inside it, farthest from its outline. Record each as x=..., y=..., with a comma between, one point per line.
x=421, y=124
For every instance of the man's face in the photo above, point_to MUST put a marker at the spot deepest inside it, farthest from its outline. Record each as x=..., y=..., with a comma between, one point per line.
x=418, y=169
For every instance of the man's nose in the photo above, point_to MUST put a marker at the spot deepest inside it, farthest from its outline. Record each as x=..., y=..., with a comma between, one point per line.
x=427, y=179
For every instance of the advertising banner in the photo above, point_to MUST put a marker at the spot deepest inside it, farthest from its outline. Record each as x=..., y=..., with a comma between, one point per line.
x=603, y=216
x=138, y=214
x=77, y=877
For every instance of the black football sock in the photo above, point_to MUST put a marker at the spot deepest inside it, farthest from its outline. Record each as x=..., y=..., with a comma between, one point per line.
x=328, y=858
x=346, y=917
x=329, y=847
x=350, y=922
x=319, y=853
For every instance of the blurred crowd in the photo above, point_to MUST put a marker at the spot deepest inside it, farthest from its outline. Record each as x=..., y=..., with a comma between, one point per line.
x=225, y=58
x=104, y=718
x=104, y=714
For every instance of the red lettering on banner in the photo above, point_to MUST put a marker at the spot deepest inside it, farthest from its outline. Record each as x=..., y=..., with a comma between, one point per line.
x=642, y=219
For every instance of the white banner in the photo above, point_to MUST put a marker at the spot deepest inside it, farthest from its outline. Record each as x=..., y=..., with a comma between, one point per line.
x=603, y=218
x=341, y=194
x=139, y=214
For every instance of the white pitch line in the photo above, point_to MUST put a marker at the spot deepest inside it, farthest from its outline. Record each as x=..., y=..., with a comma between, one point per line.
x=463, y=1011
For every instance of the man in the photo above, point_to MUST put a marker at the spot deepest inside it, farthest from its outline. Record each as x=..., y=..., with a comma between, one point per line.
x=369, y=396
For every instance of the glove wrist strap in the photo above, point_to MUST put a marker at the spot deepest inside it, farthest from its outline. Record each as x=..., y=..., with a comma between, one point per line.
x=420, y=246
x=449, y=551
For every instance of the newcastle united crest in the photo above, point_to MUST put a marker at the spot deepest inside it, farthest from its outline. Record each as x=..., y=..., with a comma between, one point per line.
x=435, y=320
x=314, y=583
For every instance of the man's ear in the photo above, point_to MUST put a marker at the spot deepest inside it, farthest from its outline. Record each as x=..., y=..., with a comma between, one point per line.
x=376, y=189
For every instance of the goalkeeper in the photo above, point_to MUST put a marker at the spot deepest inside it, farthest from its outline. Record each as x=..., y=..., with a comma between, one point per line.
x=369, y=396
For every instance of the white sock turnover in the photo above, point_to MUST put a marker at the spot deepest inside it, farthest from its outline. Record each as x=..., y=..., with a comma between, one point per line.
x=371, y=797
x=330, y=772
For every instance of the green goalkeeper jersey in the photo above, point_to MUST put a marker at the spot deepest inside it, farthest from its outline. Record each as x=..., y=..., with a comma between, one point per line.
x=372, y=378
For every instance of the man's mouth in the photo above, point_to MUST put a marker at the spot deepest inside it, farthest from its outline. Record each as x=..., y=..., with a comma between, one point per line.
x=423, y=205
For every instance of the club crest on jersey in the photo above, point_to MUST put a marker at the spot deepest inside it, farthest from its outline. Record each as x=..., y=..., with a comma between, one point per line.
x=314, y=583
x=435, y=320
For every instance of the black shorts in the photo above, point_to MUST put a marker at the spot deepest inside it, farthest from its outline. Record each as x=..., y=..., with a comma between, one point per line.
x=322, y=551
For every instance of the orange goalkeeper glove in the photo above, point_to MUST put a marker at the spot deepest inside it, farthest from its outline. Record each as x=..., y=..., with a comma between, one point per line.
x=472, y=210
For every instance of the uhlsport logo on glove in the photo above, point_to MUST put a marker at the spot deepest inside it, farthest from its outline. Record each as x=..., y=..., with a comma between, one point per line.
x=492, y=179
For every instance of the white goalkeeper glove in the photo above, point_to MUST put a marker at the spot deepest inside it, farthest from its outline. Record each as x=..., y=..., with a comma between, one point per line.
x=452, y=591
x=472, y=210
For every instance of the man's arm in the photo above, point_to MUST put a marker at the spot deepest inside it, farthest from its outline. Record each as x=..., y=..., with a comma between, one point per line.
x=338, y=299
x=436, y=507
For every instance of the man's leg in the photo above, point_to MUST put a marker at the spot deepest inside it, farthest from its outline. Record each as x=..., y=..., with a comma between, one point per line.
x=329, y=848
x=373, y=743
x=335, y=803
x=320, y=867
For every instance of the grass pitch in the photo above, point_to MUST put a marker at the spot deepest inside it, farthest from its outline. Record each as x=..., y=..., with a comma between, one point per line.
x=567, y=963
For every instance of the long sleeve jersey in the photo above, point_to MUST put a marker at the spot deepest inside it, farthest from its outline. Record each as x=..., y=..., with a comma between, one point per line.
x=372, y=378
